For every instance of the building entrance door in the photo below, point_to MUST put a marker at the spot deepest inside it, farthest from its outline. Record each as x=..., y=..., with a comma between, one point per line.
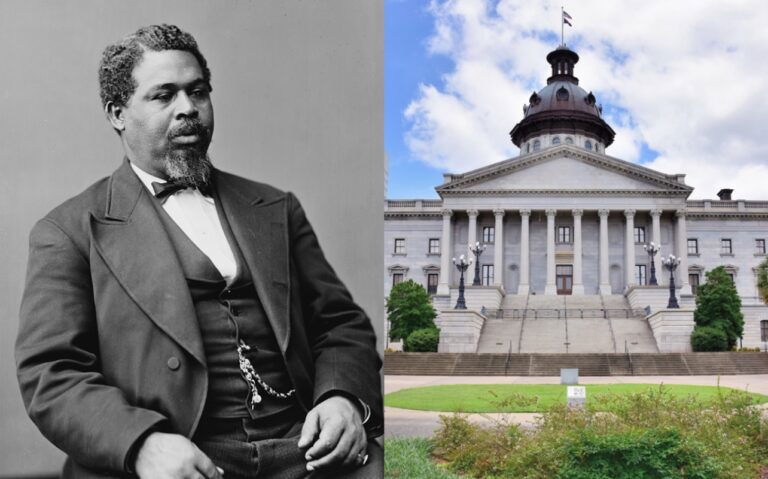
x=564, y=278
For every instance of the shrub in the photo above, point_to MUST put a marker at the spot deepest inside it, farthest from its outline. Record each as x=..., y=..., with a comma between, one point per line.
x=651, y=435
x=707, y=338
x=718, y=305
x=661, y=453
x=409, y=309
x=423, y=340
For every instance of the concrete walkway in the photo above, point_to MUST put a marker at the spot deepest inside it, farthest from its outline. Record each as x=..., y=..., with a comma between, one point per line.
x=405, y=422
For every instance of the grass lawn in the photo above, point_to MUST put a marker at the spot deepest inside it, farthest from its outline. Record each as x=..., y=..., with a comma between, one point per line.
x=409, y=458
x=528, y=397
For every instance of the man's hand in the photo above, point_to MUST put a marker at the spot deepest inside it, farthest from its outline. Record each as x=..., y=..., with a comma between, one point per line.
x=338, y=428
x=173, y=456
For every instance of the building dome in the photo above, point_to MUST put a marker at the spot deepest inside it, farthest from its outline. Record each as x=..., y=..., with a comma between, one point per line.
x=562, y=106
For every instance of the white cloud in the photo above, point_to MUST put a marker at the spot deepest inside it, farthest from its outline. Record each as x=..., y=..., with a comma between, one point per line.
x=690, y=75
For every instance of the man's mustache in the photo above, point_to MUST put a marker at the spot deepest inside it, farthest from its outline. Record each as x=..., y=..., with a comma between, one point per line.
x=189, y=126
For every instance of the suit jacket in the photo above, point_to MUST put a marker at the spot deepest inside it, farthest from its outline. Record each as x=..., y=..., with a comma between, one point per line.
x=109, y=346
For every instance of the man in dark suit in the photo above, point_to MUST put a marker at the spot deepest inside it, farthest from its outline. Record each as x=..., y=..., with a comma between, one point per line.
x=179, y=321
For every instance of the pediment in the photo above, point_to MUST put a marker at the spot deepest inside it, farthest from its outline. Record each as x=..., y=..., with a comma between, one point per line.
x=564, y=169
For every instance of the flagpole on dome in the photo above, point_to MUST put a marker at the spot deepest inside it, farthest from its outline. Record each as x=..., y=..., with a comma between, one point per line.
x=565, y=19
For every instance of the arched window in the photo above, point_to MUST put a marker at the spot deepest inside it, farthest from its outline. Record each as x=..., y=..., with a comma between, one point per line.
x=556, y=140
x=588, y=145
x=568, y=140
x=536, y=145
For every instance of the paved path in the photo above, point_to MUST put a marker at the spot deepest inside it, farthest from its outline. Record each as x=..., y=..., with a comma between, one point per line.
x=405, y=422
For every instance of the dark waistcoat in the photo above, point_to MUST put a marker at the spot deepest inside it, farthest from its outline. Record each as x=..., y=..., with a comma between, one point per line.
x=228, y=314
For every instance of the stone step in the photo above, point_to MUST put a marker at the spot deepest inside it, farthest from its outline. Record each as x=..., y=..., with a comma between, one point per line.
x=588, y=364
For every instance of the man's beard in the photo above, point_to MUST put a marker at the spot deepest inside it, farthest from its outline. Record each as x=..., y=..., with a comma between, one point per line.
x=189, y=165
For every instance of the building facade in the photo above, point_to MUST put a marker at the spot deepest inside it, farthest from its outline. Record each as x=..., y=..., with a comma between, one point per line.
x=564, y=218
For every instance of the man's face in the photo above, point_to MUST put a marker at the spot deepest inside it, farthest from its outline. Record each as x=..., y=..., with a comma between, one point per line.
x=169, y=118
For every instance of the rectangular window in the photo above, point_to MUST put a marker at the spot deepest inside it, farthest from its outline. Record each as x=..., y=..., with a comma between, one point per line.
x=564, y=234
x=434, y=245
x=488, y=234
x=764, y=330
x=693, y=280
x=487, y=274
x=693, y=246
x=399, y=246
x=726, y=247
x=640, y=274
x=397, y=278
x=432, y=279
x=640, y=234
x=733, y=278
x=760, y=245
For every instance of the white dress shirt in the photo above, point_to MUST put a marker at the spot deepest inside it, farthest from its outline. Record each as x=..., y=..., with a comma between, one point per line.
x=196, y=215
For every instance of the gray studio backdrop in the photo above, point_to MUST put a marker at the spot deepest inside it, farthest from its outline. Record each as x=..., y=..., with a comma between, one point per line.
x=298, y=100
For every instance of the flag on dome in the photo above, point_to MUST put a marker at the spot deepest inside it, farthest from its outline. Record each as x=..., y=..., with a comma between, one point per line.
x=566, y=18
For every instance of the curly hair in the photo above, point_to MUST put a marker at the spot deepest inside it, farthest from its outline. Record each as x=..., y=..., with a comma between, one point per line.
x=116, y=82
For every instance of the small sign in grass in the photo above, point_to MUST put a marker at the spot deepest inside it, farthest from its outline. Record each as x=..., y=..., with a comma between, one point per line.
x=472, y=398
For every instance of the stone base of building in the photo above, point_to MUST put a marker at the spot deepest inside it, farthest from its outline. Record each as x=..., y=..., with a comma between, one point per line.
x=655, y=298
x=672, y=329
x=441, y=302
x=459, y=330
x=479, y=297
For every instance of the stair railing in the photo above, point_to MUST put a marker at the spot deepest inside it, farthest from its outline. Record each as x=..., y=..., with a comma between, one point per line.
x=509, y=356
x=629, y=357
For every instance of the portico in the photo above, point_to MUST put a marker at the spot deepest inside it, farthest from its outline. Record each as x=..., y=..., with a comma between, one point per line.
x=564, y=267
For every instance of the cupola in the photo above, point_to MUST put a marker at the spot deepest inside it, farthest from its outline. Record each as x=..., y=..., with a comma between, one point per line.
x=562, y=107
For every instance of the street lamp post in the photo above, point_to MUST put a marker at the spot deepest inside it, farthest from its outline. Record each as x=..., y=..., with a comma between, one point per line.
x=477, y=250
x=462, y=266
x=671, y=263
x=652, y=249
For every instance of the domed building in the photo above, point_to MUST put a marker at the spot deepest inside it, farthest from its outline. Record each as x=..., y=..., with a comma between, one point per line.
x=565, y=229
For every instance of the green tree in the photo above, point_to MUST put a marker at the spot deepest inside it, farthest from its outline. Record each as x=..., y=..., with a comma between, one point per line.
x=718, y=306
x=409, y=309
x=762, y=280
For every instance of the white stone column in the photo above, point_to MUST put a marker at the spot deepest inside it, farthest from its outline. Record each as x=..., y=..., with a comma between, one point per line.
x=656, y=239
x=629, y=249
x=525, y=252
x=471, y=240
x=578, y=278
x=444, y=288
x=682, y=252
x=498, y=248
x=605, y=281
x=551, y=287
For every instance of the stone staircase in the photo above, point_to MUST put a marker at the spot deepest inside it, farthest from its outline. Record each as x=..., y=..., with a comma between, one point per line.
x=644, y=364
x=566, y=324
x=500, y=336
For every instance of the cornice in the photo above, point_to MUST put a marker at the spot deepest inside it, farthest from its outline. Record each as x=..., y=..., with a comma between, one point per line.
x=425, y=214
x=727, y=214
x=568, y=151
x=585, y=192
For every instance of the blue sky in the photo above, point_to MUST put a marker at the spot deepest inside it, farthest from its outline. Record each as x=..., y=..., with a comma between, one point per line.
x=457, y=73
x=407, y=25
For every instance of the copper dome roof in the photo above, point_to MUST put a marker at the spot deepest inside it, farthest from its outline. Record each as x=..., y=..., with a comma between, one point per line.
x=562, y=106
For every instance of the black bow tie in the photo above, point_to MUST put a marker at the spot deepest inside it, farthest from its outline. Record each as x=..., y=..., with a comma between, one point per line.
x=164, y=190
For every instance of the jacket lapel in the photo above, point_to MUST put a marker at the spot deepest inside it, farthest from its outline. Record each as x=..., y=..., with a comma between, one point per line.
x=261, y=232
x=133, y=242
